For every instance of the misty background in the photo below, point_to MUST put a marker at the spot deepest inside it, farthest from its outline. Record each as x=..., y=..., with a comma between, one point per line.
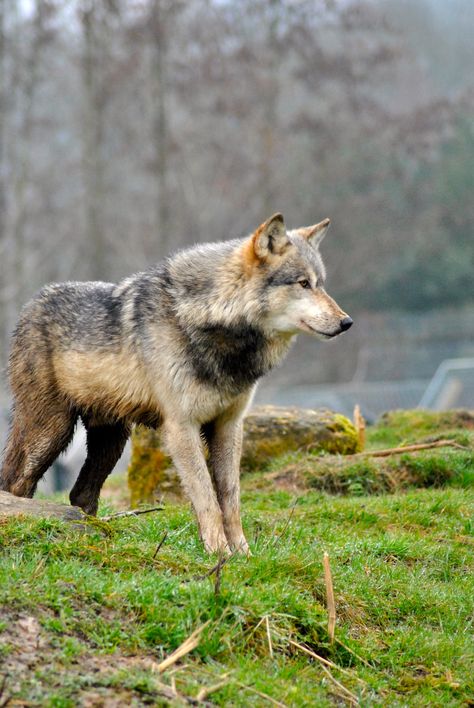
x=130, y=128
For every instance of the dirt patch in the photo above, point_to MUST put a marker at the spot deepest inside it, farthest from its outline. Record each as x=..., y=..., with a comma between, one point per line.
x=31, y=665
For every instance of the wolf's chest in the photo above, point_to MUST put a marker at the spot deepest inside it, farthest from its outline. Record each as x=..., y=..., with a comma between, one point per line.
x=230, y=358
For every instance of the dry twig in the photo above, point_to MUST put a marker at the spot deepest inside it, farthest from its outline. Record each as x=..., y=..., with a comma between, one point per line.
x=331, y=605
x=410, y=448
x=160, y=544
x=215, y=568
x=132, y=512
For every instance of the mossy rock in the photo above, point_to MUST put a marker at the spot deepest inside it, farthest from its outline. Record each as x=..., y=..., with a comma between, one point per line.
x=269, y=431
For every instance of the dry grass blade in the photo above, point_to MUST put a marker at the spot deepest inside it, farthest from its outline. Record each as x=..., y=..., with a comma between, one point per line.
x=269, y=637
x=132, y=512
x=359, y=424
x=206, y=691
x=262, y=695
x=345, y=693
x=331, y=605
x=410, y=448
x=187, y=646
x=324, y=661
x=351, y=651
x=170, y=694
x=288, y=522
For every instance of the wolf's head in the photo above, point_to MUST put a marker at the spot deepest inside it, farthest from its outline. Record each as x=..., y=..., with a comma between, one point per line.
x=293, y=274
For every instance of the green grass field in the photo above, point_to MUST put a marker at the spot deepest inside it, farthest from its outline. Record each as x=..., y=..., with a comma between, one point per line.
x=88, y=614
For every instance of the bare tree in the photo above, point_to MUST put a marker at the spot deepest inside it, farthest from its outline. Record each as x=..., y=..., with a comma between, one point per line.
x=93, y=138
x=3, y=169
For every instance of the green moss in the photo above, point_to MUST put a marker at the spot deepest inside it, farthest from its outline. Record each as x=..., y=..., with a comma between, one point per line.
x=346, y=441
x=149, y=467
x=410, y=426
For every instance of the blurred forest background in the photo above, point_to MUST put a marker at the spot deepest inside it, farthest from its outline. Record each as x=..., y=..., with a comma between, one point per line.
x=129, y=128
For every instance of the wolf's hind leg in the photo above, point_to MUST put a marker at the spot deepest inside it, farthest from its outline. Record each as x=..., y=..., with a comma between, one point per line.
x=33, y=445
x=184, y=444
x=225, y=447
x=105, y=444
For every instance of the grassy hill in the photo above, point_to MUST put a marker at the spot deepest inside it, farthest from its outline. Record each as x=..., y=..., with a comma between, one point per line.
x=88, y=614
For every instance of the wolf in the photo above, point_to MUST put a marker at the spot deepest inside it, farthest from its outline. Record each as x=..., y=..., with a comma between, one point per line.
x=180, y=346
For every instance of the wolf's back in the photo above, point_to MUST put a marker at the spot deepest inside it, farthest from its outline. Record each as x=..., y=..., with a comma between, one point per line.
x=60, y=317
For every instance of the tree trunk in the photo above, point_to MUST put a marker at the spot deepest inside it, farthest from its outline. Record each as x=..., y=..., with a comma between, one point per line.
x=93, y=167
x=158, y=30
x=23, y=154
x=270, y=114
x=3, y=193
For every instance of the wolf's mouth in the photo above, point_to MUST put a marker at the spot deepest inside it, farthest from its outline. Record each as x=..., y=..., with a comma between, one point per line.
x=307, y=328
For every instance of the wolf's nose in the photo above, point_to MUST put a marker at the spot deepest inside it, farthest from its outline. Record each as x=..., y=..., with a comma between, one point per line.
x=346, y=323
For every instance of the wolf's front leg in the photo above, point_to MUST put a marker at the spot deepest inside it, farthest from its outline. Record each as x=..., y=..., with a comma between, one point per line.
x=225, y=446
x=185, y=447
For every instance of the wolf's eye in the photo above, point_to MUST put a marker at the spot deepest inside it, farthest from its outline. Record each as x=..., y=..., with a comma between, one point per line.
x=304, y=283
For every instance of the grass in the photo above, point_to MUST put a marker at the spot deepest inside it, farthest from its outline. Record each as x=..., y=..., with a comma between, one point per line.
x=356, y=475
x=88, y=613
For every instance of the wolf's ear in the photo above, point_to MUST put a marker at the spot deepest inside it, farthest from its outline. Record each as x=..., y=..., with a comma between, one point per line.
x=315, y=234
x=270, y=238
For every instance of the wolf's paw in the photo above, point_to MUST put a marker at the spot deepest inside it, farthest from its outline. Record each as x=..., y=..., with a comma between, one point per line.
x=215, y=541
x=89, y=504
x=237, y=541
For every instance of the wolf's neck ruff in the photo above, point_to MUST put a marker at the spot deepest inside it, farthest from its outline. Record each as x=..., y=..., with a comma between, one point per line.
x=225, y=349
x=231, y=357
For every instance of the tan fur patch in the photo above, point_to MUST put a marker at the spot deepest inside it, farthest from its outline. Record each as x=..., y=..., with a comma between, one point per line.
x=105, y=380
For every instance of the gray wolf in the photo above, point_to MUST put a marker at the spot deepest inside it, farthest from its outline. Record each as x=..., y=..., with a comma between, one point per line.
x=180, y=346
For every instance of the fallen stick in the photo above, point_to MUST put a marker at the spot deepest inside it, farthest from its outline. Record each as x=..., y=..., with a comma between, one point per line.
x=409, y=448
x=132, y=512
x=331, y=605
